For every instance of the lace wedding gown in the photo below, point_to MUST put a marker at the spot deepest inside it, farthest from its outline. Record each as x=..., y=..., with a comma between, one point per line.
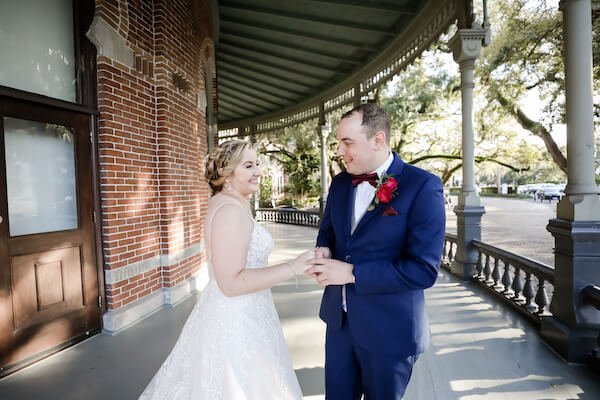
x=230, y=348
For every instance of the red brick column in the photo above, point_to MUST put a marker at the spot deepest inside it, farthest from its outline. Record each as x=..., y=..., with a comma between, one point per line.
x=152, y=143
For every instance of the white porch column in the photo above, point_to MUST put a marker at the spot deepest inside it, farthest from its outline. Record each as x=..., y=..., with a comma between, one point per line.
x=582, y=202
x=324, y=131
x=573, y=328
x=466, y=45
x=254, y=200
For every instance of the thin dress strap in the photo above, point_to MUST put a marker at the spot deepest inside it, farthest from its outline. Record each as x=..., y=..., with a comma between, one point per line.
x=209, y=225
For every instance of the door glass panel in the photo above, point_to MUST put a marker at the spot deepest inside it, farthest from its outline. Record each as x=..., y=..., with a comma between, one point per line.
x=37, y=47
x=40, y=177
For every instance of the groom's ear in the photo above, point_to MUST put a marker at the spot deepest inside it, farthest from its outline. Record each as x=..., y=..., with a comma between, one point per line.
x=380, y=139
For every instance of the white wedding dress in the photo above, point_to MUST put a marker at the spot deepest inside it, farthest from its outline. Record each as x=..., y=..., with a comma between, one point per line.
x=230, y=348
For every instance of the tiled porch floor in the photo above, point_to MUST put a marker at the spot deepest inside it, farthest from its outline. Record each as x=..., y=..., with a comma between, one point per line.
x=479, y=349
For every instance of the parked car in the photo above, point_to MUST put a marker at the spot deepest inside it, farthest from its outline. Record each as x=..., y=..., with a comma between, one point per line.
x=286, y=207
x=530, y=188
x=549, y=192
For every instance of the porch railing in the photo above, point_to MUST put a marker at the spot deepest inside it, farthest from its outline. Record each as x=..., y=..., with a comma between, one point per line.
x=525, y=284
x=591, y=295
x=294, y=217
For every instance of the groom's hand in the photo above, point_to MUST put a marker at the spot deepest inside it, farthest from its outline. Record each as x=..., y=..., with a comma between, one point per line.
x=328, y=271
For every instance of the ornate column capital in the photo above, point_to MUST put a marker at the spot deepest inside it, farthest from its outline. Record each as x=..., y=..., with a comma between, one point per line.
x=562, y=4
x=466, y=44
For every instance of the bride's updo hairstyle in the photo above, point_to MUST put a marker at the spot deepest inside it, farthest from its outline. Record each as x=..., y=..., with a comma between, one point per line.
x=222, y=160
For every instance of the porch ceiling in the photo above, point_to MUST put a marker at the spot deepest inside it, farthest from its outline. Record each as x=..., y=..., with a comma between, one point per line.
x=272, y=56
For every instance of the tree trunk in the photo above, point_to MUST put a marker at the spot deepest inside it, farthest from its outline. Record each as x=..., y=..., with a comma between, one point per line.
x=534, y=127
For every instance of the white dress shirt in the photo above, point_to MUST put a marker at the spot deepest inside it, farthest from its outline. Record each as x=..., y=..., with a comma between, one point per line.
x=363, y=196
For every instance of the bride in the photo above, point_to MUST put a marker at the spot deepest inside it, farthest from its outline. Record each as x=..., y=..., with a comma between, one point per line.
x=232, y=345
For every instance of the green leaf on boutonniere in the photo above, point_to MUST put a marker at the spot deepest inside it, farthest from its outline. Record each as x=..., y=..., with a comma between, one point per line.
x=371, y=208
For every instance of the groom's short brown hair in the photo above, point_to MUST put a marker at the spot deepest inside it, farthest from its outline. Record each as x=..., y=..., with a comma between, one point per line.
x=374, y=119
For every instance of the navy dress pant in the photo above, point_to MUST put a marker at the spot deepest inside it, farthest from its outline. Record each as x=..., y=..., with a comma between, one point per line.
x=351, y=370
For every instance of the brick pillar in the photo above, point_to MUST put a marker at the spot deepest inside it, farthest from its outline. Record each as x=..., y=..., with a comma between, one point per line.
x=152, y=143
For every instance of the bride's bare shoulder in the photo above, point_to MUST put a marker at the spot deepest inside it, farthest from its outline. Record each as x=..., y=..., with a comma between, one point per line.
x=219, y=201
x=223, y=208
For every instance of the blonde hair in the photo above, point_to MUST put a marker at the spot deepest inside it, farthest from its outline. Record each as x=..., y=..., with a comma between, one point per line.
x=222, y=161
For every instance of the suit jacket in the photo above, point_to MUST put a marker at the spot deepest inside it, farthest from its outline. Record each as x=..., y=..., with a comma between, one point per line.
x=395, y=258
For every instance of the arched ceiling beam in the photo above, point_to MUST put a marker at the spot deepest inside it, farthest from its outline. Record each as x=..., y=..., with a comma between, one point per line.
x=291, y=60
x=244, y=69
x=255, y=94
x=248, y=97
x=243, y=105
x=226, y=110
x=286, y=45
x=269, y=91
x=370, y=5
x=305, y=17
x=263, y=80
x=237, y=52
x=274, y=29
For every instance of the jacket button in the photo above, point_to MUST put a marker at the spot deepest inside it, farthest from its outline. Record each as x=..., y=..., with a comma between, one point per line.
x=347, y=258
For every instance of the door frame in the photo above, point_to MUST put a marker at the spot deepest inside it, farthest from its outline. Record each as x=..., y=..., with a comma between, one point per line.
x=86, y=204
x=87, y=103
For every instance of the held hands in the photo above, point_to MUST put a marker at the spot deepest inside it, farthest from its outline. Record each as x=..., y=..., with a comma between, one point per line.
x=299, y=264
x=328, y=271
x=322, y=252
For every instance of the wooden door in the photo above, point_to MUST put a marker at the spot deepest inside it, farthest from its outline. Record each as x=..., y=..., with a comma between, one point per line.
x=48, y=273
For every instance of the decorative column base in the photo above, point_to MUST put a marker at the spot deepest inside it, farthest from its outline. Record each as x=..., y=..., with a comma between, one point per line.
x=573, y=345
x=579, y=207
x=468, y=199
x=573, y=328
x=468, y=228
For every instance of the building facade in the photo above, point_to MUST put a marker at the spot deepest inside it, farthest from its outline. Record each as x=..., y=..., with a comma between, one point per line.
x=103, y=110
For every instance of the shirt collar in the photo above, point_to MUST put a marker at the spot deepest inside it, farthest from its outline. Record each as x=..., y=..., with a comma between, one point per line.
x=384, y=167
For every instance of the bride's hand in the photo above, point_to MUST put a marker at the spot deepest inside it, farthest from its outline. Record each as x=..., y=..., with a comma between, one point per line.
x=322, y=252
x=299, y=263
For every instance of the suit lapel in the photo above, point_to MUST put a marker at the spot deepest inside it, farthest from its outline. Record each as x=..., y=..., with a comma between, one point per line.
x=346, y=207
x=394, y=169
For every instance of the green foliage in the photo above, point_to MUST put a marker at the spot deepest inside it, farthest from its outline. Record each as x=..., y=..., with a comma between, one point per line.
x=524, y=58
x=266, y=186
x=525, y=61
x=297, y=150
x=424, y=104
x=526, y=53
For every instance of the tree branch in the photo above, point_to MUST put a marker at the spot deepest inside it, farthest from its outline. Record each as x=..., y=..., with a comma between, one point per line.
x=478, y=159
x=448, y=174
x=283, y=151
x=532, y=126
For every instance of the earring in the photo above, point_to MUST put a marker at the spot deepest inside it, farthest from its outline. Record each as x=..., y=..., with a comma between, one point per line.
x=227, y=185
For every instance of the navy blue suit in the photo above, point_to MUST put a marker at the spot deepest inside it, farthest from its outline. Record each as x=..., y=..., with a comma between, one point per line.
x=395, y=258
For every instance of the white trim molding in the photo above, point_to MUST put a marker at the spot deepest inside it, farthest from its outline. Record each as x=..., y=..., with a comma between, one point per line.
x=116, y=321
x=112, y=276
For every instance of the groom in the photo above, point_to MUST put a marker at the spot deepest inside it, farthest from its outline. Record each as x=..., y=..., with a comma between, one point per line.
x=379, y=245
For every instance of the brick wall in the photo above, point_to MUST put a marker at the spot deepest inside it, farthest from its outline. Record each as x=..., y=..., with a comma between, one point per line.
x=152, y=143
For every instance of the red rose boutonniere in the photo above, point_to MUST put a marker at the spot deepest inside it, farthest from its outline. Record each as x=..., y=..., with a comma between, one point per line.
x=384, y=191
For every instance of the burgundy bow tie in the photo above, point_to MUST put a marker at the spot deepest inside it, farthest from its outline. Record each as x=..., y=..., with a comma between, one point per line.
x=371, y=178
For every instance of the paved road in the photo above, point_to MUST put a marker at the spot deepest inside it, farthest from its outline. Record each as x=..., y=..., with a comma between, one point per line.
x=515, y=225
